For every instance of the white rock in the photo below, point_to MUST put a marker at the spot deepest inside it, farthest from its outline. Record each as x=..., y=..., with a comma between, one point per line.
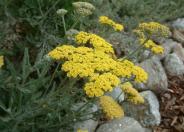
x=125, y=124
x=173, y=65
x=148, y=113
x=179, y=51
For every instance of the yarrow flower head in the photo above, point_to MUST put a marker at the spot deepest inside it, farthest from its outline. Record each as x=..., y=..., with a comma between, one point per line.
x=83, y=8
x=154, y=29
x=108, y=21
x=132, y=94
x=146, y=30
x=100, y=84
x=96, y=41
x=111, y=108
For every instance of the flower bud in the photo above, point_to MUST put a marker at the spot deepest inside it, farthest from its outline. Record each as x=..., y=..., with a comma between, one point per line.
x=61, y=12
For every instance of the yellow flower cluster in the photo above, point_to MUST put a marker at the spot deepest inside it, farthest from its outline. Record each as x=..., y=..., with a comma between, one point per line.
x=101, y=83
x=157, y=49
x=140, y=74
x=83, y=8
x=127, y=69
x=111, y=108
x=154, y=28
x=148, y=43
x=132, y=94
x=96, y=64
x=61, y=52
x=108, y=21
x=1, y=61
x=96, y=41
x=101, y=69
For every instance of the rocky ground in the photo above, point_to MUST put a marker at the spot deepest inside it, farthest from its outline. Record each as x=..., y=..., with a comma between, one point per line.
x=163, y=110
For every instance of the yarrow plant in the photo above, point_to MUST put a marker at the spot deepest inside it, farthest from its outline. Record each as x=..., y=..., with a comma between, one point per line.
x=74, y=81
x=92, y=59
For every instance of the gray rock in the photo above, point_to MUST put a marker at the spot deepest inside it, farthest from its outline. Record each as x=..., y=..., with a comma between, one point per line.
x=125, y=124
x=148, y=130
x=179, y=51
x=173, y=65
x=168, y=45
x=178, y=35
x=117, y=93
x=157, y=79
x=146, y=54
x=89, y=125
x=148, y=113
x=178, y=24
x=123, y=42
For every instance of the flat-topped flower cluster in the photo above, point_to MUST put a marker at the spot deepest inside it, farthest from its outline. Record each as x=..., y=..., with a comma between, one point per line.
x=96, y=63
x=151, y=29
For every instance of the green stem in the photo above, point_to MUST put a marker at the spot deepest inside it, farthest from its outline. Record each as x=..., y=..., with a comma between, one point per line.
x=77, y=21
x=52, y=78
x=90, y=101
x=88, y=114
x=64, y=24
